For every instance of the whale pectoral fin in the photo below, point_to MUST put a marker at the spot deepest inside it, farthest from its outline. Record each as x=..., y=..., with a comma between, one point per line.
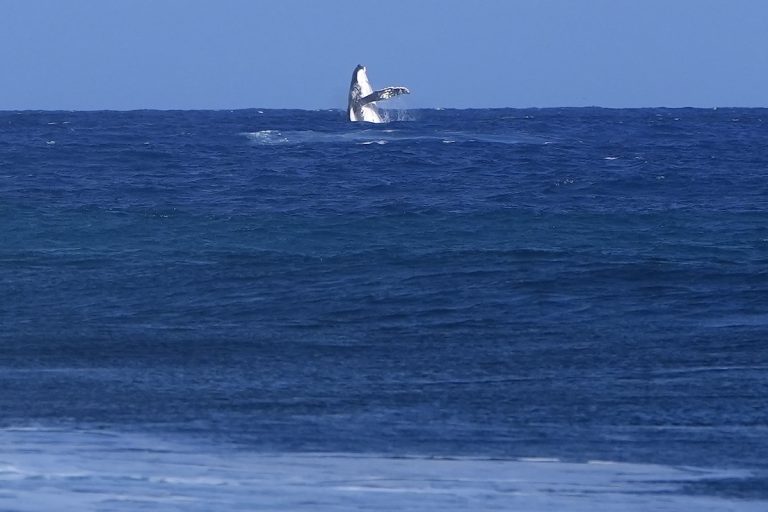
x=384, y=94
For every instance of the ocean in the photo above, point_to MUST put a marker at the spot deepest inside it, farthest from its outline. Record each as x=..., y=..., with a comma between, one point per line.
x=503, y=309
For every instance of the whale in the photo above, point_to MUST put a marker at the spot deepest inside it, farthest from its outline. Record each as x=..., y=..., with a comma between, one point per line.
x=362, y=97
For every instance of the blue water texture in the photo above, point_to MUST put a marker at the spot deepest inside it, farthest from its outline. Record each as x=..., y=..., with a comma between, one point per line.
x=575, y=283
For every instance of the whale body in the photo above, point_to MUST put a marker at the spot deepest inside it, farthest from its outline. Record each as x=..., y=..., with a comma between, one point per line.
x=362, y=97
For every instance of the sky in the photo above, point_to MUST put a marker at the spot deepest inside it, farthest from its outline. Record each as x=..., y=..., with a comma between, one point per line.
x=228, y=54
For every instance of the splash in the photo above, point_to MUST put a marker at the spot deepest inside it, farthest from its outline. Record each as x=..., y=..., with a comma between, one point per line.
x=267, y=137
x=397, y=111
x=396, y=115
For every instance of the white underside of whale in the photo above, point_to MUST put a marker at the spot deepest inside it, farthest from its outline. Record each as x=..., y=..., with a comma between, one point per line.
x=361, y=93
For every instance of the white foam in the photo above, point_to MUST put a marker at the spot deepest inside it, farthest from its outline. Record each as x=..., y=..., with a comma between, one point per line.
x=376, y=136
x=267, y=137
x=84, y=471
x=396, y=111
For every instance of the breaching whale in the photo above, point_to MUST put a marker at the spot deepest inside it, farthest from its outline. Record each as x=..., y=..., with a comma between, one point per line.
x=362, y=97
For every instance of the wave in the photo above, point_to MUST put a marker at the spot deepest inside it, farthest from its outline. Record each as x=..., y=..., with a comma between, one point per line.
x=98, y=470
x=379, y=136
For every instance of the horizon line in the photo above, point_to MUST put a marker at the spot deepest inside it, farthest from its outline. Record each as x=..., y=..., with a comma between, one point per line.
x=342, y=110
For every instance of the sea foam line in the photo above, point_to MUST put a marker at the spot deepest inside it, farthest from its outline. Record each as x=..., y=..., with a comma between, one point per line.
x=83, y=470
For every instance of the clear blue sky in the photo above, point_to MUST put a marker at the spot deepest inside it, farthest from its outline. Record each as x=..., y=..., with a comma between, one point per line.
x=127, y=54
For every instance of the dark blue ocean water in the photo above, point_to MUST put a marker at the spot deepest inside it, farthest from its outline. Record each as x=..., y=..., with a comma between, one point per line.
x=573, y=283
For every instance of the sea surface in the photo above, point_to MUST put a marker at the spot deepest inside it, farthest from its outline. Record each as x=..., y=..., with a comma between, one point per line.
x=540, y=309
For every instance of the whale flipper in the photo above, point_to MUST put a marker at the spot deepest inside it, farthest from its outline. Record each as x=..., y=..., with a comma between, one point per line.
x=384, y=94
x=362, y=97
